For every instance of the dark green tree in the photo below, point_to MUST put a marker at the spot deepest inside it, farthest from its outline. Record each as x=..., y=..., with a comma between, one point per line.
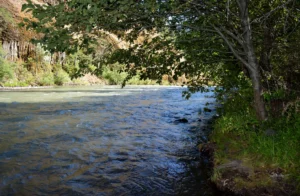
x=191, y=37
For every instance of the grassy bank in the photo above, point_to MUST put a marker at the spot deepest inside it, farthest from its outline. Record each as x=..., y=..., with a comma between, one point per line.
x=256, y=158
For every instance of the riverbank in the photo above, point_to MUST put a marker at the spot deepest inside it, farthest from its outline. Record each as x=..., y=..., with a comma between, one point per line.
x=87, y=80
x=255, y=158
x=236, y=177
x=78, y=85
x=24, y=88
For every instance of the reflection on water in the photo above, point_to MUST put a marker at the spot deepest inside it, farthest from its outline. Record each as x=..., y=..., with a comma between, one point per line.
x=102, y=141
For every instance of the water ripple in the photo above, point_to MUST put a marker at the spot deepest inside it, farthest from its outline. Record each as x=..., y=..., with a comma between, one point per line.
x=94, y=141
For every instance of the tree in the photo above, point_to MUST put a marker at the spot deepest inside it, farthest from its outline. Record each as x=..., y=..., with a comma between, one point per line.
x=222, y=29
x=241, y=24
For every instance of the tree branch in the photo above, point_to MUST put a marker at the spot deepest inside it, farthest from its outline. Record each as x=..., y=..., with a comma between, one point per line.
x=236, y=38
x=235, y=53
x=265, y=16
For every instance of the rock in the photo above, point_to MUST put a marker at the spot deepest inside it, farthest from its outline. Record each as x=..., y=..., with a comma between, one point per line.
x=214, y=117
x=207, y=109
x=181, y=120
x=228, y=173
x=277, y=177
x=236, y=166
x=207, y=150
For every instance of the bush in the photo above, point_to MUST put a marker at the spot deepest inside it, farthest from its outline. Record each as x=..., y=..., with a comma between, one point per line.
x=15, y=83
x=78, y=64
x=61, y=77
x=6, y=68
x=23, y=75
x=45, y=79
x=114, y=77
x=135, y=80
x=13, y=74
x=80, y=82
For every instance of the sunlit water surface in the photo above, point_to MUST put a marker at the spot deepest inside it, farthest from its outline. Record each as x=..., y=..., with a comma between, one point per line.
x=102, y=141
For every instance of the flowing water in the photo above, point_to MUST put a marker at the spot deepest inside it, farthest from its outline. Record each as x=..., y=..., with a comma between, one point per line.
x=102, y=141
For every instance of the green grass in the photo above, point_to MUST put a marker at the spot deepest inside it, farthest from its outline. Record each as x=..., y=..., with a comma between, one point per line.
x=264, y=147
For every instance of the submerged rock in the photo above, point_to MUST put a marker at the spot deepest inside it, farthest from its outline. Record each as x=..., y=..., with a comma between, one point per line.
x=207, y=110
x=181, y=120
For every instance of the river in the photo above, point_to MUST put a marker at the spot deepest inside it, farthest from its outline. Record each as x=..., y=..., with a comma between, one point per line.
x=103, y=141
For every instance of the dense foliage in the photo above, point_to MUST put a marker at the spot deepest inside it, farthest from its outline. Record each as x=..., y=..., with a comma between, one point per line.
x=210, y=41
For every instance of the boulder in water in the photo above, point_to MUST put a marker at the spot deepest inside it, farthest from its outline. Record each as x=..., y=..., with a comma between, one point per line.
x=181, y=120
x=207, y=110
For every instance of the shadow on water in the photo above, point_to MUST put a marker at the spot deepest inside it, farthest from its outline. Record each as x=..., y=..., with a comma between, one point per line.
x=126, y=144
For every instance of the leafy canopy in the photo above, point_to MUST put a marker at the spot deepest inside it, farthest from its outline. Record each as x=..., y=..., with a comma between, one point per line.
x=201, y=39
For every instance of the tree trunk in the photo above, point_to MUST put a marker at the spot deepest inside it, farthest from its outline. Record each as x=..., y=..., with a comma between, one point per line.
x=259, y=103
x=252, y=64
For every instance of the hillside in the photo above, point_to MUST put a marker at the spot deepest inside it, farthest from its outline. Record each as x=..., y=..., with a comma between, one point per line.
x=15, y=40
x=16, y=5
x=25, y=64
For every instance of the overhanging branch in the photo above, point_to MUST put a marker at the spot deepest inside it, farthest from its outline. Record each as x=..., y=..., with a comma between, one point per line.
x=230, y=45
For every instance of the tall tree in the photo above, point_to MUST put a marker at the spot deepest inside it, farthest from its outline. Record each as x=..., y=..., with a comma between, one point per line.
x=221, y=29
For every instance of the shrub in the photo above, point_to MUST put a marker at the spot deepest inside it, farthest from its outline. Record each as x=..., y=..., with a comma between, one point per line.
x=6, y=68
x=80, y=82
x=45, y=79
x=113, y=76
x=15, y=83
x=61, y=77
x=78, y=64
x=23, y=75
x=135, y=80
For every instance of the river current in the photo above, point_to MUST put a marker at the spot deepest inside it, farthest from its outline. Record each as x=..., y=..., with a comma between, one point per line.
x=103, y=141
